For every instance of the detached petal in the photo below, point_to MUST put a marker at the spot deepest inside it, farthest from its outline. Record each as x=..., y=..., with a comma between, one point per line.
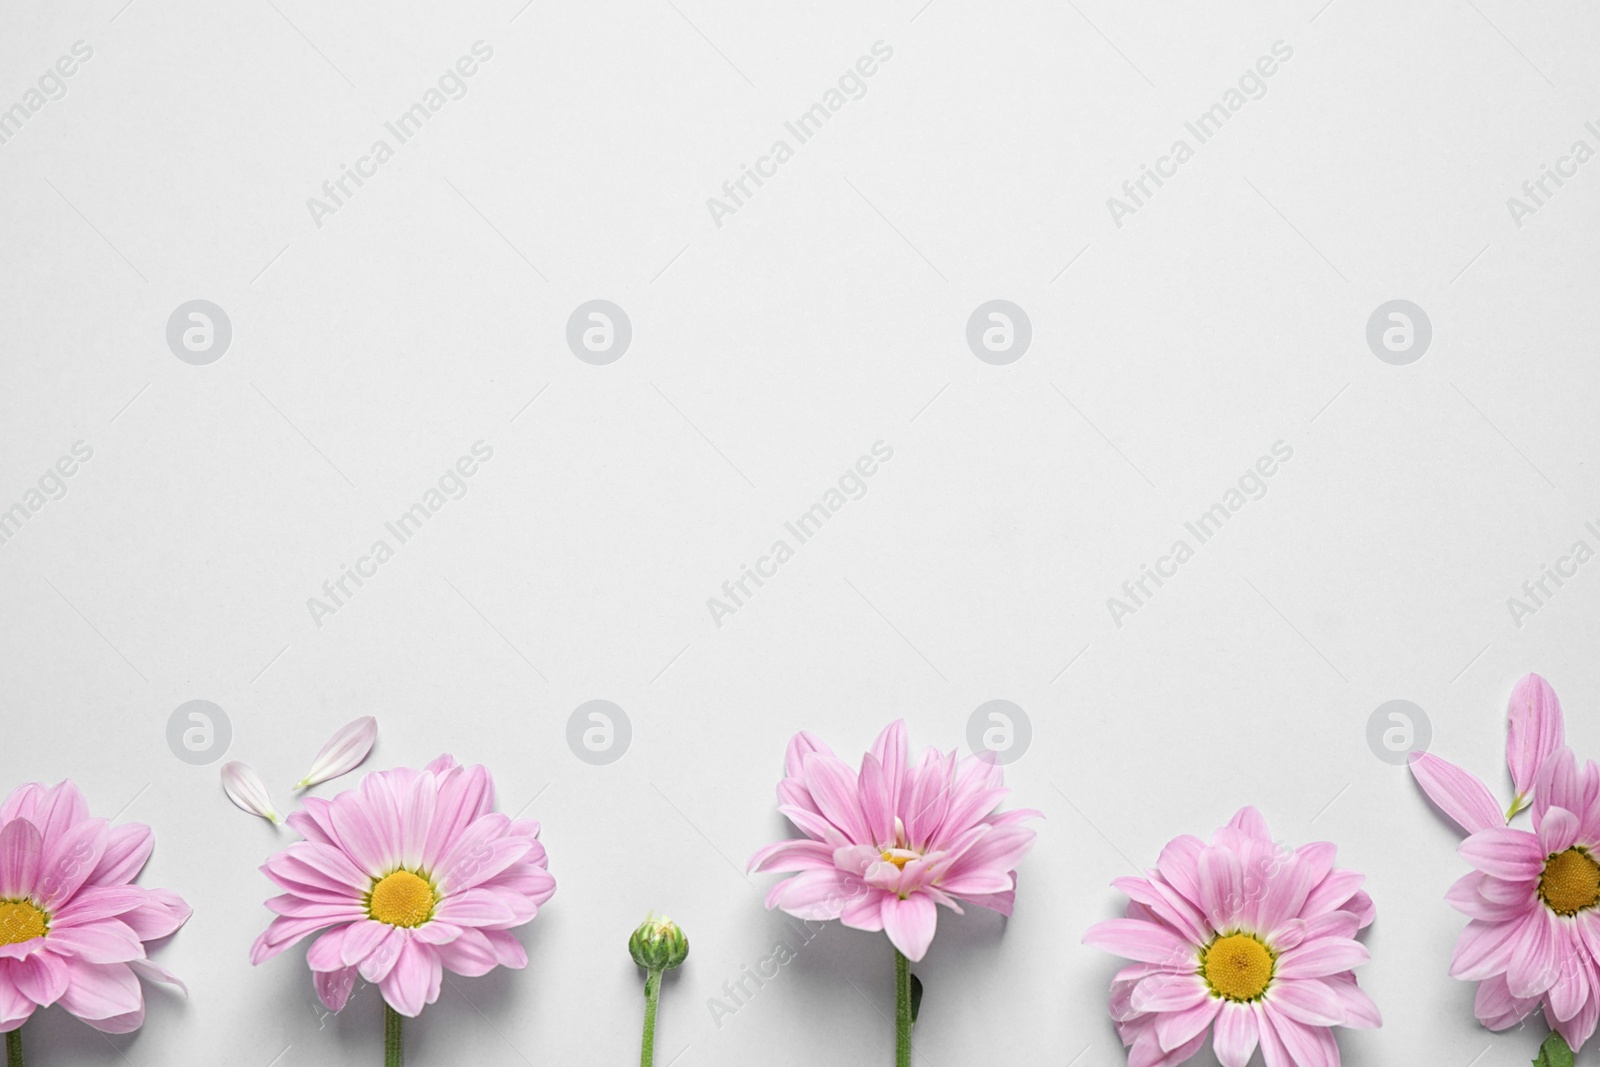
x=1458, y=793
x=1537, y=729
x=343, y=753
x=245, y=788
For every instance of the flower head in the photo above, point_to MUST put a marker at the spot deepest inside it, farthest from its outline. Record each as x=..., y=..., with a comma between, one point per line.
x=886, y=844
x=1534, y=899
x=72, y=924
x=1534, y=905
x=409, y=873
x=658, y=944
x=1250, y=940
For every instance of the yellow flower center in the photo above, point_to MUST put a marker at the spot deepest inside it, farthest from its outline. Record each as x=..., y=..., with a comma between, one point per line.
x=21, y=921
x=1237, y=967
x=402, y=899
x=1571, y=882
x=899, y=857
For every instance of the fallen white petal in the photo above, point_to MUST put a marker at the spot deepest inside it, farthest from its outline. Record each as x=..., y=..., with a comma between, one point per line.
x=245, y=788
x=343, y=753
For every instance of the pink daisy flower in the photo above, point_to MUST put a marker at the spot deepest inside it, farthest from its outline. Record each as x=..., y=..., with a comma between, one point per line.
x=407, y=874
x=884, y=846
x=72, y=924
x=1250, y=940
x=1534, y=898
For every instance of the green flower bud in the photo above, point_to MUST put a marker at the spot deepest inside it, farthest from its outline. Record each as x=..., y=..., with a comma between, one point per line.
x=658, y=944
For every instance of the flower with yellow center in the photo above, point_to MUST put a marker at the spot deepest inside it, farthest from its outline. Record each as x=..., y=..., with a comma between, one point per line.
x=402, y=899
x=1570, y=882
x=1237, y=967
x=21, y=921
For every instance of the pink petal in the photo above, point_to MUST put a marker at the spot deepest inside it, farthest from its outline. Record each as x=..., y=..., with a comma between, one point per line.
x=361, y=939
x=1505, y=853
x=1535, y=958
x=1309, y=1001
x=101, y=991
x=1251, y=823
x=1324, y=956
x=154, y=972
x=836, y=790
x=21, y=854
x=1558, y=831
x=1143, y=941
x=248, y=792
x=1497, y=1009
x=327, y=952
x=1177, y=1028
x=413, y=983
x=1234, y=1039
x=1221, y=885
x=473, y=907
x=471, y=954
x=334, y=987
x=1164, y=991
x=42, y=978
x=1484, y=949
x=1459, y=794
x=1536, y=730
x=127, y=849
x=343, y=752
x=105, y=941
x=910, y=924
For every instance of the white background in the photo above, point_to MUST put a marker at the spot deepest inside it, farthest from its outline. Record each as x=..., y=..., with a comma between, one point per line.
x=768, y=354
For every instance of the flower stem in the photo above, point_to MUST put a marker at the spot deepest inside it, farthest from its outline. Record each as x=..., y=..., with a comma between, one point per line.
x=14, y=1047
x=652, y=997
x=902, y=1010
x=393, y=1053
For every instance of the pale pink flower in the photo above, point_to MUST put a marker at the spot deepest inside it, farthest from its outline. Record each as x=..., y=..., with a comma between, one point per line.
x=1252, y=941
x=885, y=845
x=73, y=927
x=1534, y=902
x=408, y=874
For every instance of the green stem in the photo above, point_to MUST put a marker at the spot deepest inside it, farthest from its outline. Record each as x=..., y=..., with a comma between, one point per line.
x=652, y=998
x=14, y=1047
x=393, y=1052
x=902, y=1010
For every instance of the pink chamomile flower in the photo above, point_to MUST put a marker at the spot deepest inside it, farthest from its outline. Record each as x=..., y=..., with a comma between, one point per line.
x=406, y=875
x=886, y=845
x=1249, y=940
x=73, y=926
